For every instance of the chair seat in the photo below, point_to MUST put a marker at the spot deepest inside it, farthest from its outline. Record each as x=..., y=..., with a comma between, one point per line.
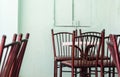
x=99, y=58
x=63, y=58
x=79, y=63
x=107, y=63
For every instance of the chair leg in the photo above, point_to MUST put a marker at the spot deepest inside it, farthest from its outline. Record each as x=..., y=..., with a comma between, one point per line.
x=72, y=72
x=55, y=68
x=81, y=72
x=96, y=72
x=102, y=72
x=75, y=72
x=89, y=72
x=60, y=70
x=86, y=71
x=109, y=72
x=113, y=72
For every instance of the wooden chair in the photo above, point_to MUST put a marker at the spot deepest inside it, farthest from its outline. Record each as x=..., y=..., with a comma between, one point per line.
x=107, y=65
x=10, y=51
x=61, y=51
x=96, y=33
x=114, y=50
x=14, y=39
x=88, y=46
x=17, y=65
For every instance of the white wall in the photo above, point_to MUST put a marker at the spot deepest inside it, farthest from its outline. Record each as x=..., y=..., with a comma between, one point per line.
x=8, y=17
x=36, y=17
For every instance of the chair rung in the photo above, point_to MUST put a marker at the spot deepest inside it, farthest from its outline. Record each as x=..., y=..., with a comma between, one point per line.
x=66, y=71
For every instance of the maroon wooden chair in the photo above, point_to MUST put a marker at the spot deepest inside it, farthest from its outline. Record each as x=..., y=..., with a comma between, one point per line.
x=88, y=46
x=107, y=66
x=10, y=53
x=13, y=40
x=16, y=37
x=114, y=50
x=96, y=33
x=61, y=51
x=17, y=65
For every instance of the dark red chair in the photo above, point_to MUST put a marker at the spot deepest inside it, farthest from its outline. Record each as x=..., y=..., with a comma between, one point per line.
x=61, y=51
x=17, y=65
x=96, y=33
x=14, y=68
x=114, y=50
x=14, y=39
x=107, y=66
x=88, y=46
x=10, y=53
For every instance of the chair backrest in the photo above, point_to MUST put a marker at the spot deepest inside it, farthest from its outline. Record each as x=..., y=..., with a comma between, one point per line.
x=91, y=32
x=114, y=50
x=60, y=41
x=14, y=37
x=1, y=46
x=10, y=51
x=20, y=55
x=107, y=53
x=90, y=46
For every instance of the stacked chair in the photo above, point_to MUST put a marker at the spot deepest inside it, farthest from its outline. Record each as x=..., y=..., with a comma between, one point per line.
x=114, y=50
x=11, y=55
x=18, y=62
x=96, y=33
x=61, y=52
x=90, y=49
x=67, y=51
x=108, y=65
x=86, y=53
x=10, y=51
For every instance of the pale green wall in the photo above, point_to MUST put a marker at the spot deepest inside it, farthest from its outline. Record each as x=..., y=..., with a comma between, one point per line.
x=36, y=17
x=8, y=18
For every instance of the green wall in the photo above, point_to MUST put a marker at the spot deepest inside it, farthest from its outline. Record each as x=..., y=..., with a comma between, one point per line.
x=35, y=17
x=8, y=18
